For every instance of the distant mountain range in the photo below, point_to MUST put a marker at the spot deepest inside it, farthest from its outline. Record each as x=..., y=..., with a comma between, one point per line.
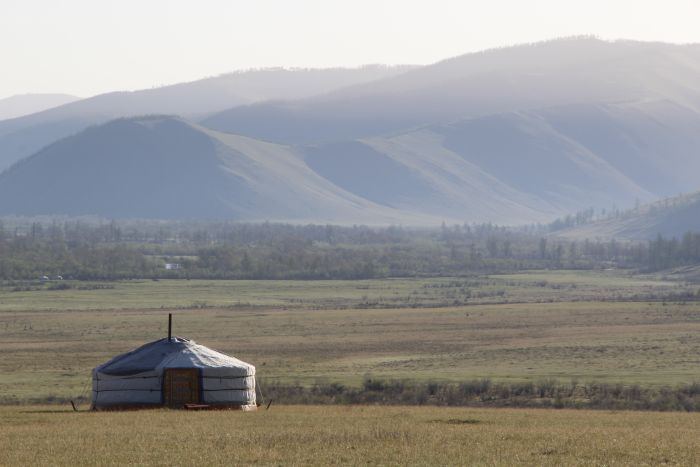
x=25, y=104
x=514, y=135
x=526, y=77
x=167, y=168
x=21, y=137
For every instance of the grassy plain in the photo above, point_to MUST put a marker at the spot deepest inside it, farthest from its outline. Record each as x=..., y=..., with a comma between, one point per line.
x=530, y=287
x=603, y=326
x=344, y=435
x=549, y=325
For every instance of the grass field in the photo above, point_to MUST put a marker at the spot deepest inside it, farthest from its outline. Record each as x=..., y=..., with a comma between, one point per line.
x=334, y=435
x=603, y=326
x=533, y=287
x=49, y=353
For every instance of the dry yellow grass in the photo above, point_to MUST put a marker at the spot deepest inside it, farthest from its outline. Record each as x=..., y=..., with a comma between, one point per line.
x=315, y=435
x=49, y=353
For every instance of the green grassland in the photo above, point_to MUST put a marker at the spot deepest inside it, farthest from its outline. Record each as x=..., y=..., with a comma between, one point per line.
x=568, y=326
x=321, y=332
x=347, y=435
x=532, y=287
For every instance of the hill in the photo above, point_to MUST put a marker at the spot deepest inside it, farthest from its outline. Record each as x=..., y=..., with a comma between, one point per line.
x=670, y=217
x=517, y=135
x=566, y=71
x=21, y=137
x=507, y=168
x=555, y=160
x=25, y=104
x=165, y=167
x=627, y=110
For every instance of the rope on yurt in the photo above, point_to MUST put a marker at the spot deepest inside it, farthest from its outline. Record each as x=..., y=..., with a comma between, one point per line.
x=258, y=387
x=82, y=394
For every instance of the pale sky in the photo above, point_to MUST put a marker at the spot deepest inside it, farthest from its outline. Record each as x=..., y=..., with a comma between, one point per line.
x=86, y=47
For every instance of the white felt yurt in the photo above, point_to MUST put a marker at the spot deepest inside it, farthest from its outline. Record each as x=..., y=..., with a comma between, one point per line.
x=173, y=372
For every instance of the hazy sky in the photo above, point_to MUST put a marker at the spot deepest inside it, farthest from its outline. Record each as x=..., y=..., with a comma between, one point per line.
x=85, y=47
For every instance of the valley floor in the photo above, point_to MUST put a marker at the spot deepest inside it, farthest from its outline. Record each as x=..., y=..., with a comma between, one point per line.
x=567, y=327
x=572, y=327
x=347, y=435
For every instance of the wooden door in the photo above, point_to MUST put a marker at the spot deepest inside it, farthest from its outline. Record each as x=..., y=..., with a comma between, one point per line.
x=181, y=387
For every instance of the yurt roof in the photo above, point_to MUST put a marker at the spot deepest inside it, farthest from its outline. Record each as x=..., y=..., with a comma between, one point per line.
x=176, y=352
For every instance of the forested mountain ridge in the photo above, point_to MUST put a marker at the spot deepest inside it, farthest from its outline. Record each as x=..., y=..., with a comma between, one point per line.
x=669, y=217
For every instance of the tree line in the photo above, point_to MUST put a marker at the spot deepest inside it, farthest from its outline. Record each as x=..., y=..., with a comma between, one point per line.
x=116, y=250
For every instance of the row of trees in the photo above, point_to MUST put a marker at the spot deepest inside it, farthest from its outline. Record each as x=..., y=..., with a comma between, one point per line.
x=278, y=251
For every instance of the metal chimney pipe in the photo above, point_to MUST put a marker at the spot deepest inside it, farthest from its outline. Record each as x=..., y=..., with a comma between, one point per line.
x=170, y=327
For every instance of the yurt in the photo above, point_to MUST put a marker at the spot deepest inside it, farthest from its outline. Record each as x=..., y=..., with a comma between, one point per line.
x=173, y=372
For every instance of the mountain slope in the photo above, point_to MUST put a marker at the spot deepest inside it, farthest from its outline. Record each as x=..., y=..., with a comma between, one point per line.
x=546, y=117
x=555, y=73
x=509, y=168
x=416, y=173
x=21, y=137
x=654, y=143
x=670, y=217
x=551, y=161
x=163, y=167
x=25, y=104
x=517, y=135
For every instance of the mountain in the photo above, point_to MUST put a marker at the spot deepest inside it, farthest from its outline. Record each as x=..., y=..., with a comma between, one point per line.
x=167, y=168
x=517, y=135
x=516, y=156
x=25, y=104
x=415, y=173
x=521, y=166
x=669, y=217
x=164, y=167
x=488, y=169
x=578, y=122
x=21, y=137
x=553, y=73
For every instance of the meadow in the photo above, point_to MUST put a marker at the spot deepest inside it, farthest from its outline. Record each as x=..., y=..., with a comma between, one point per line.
x=553, y=332
x=524, y=287
x=566, y=326
x=347, y=435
